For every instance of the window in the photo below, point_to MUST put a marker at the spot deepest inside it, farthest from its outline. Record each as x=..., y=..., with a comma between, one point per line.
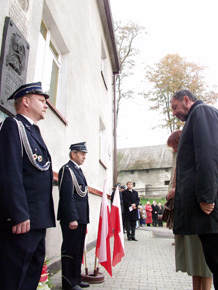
x=132, y=172
x=103, y=64
x=2, y=116
x=102, y=145
x=166, y=169
x=146, y=170
x=166, y=182
x=48, y=63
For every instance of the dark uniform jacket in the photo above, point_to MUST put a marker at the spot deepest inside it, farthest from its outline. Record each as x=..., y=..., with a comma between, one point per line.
x=72, y=207
x=25, y=191
x=155, y=209
x=130, y=197
x=197, y=172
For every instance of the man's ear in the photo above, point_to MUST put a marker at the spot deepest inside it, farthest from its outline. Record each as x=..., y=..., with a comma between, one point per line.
x=26, y=101
x=186, y=100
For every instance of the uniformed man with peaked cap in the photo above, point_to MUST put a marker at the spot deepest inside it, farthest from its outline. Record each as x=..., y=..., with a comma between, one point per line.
x=26, y=204
x=73, y=213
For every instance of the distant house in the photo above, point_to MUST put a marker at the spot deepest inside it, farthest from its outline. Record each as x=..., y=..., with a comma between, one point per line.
x=149, y=168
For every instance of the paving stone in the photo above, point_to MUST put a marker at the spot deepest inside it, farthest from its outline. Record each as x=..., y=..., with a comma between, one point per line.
x=149, y=264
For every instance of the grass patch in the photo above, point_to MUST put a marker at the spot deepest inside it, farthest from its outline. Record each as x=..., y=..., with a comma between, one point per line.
x=161, y=200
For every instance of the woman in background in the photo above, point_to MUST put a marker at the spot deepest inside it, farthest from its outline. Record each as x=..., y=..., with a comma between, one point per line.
x=148, y=210
x=188, y=249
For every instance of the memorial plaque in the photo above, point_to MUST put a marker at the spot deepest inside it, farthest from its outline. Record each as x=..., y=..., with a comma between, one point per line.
x=13, y=64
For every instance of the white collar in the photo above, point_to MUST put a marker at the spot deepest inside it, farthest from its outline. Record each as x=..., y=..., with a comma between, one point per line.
x=75, y=163
x=28, y=119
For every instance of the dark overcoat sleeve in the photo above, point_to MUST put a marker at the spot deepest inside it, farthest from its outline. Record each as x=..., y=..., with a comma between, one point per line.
x=13, y=201
x=137, y=199
x=126, y=199
x=205, y=139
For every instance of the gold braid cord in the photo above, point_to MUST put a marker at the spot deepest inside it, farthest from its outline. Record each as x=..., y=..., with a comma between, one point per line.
x=24, y=140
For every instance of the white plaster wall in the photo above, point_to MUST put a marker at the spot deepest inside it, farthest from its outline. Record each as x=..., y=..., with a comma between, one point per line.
x=83, y=98
x=3, y=13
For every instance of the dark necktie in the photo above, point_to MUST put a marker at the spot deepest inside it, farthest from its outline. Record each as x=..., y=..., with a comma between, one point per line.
x=81, y=174
x=36, y=129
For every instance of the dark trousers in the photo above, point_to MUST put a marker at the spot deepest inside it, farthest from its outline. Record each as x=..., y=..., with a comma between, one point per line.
x=21, y=259
x=210, y=248
x=154, y=220
x=160, y=223
x=130, y=228
x=124, y=222
x=72, y=254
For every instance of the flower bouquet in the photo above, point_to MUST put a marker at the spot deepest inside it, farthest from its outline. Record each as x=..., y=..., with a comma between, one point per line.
x=44, y=279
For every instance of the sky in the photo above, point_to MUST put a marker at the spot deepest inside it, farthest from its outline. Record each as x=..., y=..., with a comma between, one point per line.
x=189, y=28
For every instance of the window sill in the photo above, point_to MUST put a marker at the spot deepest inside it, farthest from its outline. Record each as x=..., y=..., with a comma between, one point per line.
x=57, y=112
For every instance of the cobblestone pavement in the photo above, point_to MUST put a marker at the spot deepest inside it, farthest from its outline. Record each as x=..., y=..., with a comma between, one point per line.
x=149, y=264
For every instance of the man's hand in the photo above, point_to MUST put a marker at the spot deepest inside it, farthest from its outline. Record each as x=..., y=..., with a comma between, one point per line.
x=73, y=225
x=207, y=207
x=134, y=206
x=21, y=228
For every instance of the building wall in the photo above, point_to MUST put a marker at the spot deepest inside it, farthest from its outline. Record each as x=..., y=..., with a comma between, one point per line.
x=146, y=178
x=84, y=100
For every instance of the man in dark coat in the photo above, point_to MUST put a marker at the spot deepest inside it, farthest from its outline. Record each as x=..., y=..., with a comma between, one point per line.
x=196, y=198
x=26, y=204
x=73, y=213
x=154, y=213
x=131, y=215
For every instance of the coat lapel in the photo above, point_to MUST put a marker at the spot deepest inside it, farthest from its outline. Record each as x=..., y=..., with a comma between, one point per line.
x=29, y=127
x=78, y=171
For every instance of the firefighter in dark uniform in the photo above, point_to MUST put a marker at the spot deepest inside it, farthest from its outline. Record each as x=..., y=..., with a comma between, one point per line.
x=26, y=204
x=73, y=213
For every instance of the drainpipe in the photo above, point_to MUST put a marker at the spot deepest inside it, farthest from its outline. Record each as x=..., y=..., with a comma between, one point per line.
x=115, y=130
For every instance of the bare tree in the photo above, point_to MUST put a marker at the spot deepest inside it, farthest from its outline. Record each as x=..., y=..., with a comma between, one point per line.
x=126, y=36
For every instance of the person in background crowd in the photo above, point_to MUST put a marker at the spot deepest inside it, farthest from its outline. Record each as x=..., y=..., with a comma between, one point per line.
x=188, y=249
x=26, y=204
x=160, y=214
x=142, y=215
x=138, y=220
x=113, y=192
x=130, y=203
x=154, y=213
x=73, y=213
x=148, y=210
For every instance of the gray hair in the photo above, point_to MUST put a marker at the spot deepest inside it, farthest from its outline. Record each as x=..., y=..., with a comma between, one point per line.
x=75, y=151
x=180, y=95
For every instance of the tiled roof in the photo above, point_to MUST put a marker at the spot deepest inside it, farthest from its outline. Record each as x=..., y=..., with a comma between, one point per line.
x=148, y=157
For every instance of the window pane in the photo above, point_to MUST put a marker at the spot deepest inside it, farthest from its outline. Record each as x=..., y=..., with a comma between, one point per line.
x=54, y=83
x=53, y=49
x=40, y=59
x=47, y=64
x=43, y=30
